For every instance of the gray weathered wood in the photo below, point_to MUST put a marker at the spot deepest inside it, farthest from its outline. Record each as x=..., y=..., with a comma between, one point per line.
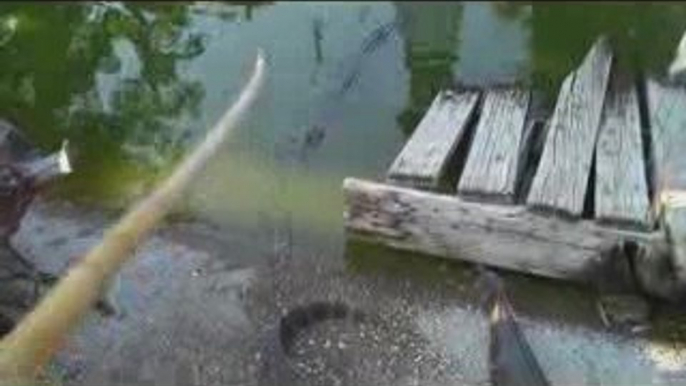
x=674, y=218
x=563, y=172
x=491, y=168
x=504, y=236
x=423, y=160
x=621, y=189
x=667, y=112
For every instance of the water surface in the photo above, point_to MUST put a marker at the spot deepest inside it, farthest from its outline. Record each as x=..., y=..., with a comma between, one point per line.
x=134, y=85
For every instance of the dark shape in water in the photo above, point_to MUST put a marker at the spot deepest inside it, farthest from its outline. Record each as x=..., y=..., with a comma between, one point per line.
x=301, y=318
x=371, y=43
x=316, y=131
x=511, y=361
x=314, y=136
x=378, y=37
x=23, y=173
x=278, y=343
x=317, y=27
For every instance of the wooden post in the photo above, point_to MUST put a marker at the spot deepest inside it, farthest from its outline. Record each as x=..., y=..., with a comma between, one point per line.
x=490, y=172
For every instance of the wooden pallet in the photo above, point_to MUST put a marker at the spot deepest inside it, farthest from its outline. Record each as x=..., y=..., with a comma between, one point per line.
x=577, y=198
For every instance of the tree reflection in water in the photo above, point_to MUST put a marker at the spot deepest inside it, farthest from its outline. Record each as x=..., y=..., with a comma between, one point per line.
x=106, y=76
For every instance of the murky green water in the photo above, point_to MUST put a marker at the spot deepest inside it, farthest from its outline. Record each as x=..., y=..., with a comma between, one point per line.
x=132, y=86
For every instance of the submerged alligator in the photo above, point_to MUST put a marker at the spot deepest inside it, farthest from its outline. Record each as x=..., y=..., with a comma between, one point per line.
x=315, y=132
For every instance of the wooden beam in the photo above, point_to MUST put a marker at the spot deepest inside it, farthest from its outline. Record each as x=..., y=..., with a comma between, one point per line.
x=562, y=177
x=423, y=160
x=491, y=169
x=621, y=189
x=505, y=236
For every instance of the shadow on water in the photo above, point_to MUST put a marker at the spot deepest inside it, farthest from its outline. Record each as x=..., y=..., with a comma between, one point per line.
x=113, y=77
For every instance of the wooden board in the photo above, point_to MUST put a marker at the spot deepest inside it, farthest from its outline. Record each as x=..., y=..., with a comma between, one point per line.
x=423, y=160
x=621, y=189
x=491, y=168
x=562, y=176
x=667, y=112
x=504, y=236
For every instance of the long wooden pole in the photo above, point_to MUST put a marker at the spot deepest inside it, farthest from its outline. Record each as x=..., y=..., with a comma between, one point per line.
x=25, y=350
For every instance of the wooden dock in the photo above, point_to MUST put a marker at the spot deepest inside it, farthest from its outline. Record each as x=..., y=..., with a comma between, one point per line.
x=597, y=199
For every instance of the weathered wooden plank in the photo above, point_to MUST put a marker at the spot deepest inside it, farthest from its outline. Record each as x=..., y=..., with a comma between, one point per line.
x=562, y=176
x=504, y=236
x=422, y=161
x=491, y=168
x=667, y=112
x=621, y=189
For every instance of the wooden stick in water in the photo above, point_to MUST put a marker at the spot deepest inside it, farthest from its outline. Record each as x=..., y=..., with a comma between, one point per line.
x=511, y=361
x=25, y=350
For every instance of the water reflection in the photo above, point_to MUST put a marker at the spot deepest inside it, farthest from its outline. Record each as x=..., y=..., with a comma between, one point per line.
x=132, y=84
x=317, y=33
x=105, y=76
x=644, y=36
x=494, y=49
x=317, y=122
x=431, y=36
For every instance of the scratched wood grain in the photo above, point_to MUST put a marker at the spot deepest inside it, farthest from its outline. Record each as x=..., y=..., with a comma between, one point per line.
x=562, y=176
x=505, y=236
x=491, y=168
x=423, y=159
x=621, y=189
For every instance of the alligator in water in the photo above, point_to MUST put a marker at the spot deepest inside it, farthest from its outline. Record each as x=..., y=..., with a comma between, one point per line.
x=316, y=131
